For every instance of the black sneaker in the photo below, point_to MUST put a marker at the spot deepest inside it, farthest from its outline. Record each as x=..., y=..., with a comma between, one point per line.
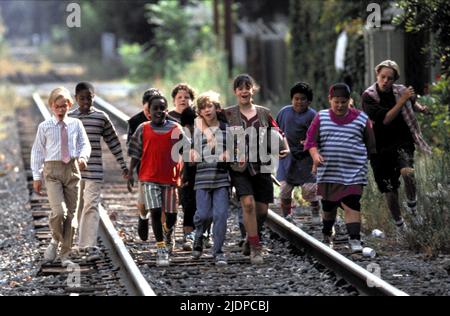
x=246, y=248
x=198, y=248
x=143, y=229
x=93, y=254
x=169, y=238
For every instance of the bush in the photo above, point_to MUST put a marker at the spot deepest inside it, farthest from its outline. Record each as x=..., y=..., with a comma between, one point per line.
x=436, y=127
x=177, y=39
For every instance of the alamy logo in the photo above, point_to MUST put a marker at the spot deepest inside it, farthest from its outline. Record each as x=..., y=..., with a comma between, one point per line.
x=375, y=269
x=234, y=145
x=74, y=18
x=374, y=18
x=73, y=276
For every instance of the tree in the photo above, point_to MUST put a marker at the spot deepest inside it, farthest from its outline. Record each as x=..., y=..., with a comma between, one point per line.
x=432, y=17
x=315, y=26
x=177, y=36
x=125, y=19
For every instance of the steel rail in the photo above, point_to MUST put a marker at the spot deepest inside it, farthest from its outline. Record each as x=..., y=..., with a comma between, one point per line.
x=367, y=283
x=133, y=277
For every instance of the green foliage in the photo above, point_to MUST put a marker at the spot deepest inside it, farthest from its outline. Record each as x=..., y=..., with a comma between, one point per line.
x=182, y=50
x=430, y=16
x=436, y=127
x=136, y=59
x=314, y=28
x=176, y=37
x=171, y=45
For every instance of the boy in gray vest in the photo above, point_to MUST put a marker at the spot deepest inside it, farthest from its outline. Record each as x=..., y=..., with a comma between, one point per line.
x=250, y=177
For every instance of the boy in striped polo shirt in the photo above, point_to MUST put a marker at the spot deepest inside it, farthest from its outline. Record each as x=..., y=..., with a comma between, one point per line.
x=97, y=125
x=212, y=181
x=340, y=141
x=160, y=169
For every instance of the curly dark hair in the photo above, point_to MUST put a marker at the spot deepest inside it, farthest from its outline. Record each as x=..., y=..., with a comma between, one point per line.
x=185, y=87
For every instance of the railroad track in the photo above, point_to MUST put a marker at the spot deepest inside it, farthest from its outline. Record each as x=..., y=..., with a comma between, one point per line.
x=354, y=275
x=114, y=274
x=296, y=264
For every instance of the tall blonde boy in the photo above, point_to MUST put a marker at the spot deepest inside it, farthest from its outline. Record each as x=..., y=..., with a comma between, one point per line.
x=61, y=149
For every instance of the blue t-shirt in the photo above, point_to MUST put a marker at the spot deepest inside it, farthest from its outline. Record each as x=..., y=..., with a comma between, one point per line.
x=296, y=167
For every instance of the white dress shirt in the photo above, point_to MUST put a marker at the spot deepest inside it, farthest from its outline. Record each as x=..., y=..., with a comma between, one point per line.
x=47, y=145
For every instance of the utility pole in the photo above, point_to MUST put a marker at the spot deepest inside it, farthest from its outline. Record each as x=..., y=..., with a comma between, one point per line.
x=229, y=35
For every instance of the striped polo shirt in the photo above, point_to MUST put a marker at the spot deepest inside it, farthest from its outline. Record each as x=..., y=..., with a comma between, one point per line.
x=344, y=151
x=98, y=125
x=212, y=174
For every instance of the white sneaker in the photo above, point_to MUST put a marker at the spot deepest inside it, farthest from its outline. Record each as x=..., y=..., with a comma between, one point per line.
x=66, y=262
x=355, y=245
x=93, y=254
x=221, y=260
x=400, y=232
x=162, y=257
x=256, y=257
x=289, y=218
x=410, y=209
x=207, y=242
x=50, y=252
x=188, y=241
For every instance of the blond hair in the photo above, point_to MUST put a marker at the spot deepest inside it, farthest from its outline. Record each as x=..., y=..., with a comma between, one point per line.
x=389, y=64
x=58, y=93
x=209, y=97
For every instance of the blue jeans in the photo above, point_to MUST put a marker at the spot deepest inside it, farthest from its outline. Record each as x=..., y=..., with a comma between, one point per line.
x=212, y=204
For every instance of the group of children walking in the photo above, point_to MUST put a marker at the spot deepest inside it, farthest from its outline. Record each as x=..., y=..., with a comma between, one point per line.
x=195, y=152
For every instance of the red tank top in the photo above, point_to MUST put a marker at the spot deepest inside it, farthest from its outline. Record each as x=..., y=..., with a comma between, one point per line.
x=156, y=163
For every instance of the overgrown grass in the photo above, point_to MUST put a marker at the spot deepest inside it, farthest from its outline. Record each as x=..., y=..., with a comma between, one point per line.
x=432, y=234
x=429, y=230
x=9, y=102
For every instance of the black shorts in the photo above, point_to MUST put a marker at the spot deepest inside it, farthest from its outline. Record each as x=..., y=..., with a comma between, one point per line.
x=259, y=185
x=189, y=204
x=352, y=201
x=386, y=167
